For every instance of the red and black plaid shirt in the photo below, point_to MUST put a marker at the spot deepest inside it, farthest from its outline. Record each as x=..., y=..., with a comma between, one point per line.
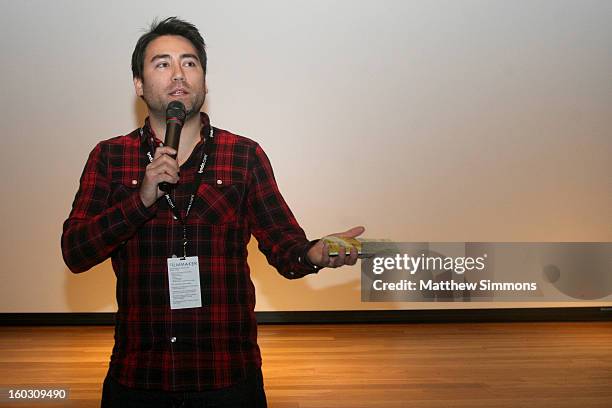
x=183, y=349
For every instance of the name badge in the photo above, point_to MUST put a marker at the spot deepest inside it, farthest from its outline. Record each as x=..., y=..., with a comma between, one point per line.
x=184, y=282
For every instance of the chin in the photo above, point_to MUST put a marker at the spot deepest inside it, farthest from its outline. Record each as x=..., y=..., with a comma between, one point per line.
x=191, y=112
x=193, y=108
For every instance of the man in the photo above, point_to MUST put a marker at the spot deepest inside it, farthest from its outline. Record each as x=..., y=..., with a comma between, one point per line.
x=185, y=330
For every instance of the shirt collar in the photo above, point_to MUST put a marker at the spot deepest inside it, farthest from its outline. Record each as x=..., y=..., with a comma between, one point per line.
x=148, y=134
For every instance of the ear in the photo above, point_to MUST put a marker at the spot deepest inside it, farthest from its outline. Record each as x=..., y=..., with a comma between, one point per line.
x=138, y=86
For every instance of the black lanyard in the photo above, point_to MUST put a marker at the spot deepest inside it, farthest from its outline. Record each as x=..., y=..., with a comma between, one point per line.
x=176, y=214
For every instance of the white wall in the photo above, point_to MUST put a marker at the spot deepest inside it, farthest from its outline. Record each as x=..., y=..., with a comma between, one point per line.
x=422, y=120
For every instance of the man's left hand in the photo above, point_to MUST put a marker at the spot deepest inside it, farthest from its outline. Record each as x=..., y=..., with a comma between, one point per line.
x=319, y=253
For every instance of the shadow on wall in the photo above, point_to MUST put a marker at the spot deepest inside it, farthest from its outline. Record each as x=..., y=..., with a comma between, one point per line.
x=91, y=291
x=279, y=293
x=94, y=290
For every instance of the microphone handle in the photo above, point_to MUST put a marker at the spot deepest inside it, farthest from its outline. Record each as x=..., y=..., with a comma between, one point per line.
x=173, y=135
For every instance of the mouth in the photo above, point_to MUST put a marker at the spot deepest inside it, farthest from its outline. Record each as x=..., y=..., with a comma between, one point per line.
x=178, y=92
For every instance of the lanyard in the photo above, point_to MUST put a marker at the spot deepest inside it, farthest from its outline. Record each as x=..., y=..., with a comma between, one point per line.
x=176, y=214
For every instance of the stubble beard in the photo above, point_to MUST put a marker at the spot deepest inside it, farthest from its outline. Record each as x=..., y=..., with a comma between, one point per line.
x=196, y=106
x=158, y=106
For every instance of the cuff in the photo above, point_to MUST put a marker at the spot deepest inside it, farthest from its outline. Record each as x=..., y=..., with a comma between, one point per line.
x=134, y=210
x=303, y=259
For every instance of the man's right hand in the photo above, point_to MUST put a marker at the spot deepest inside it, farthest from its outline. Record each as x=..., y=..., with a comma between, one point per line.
x=162, y=168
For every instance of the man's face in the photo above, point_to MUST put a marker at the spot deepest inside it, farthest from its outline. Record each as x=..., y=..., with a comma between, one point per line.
x=172, y=71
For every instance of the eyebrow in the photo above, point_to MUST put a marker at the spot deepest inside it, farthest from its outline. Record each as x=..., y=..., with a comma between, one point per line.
x=183, y=56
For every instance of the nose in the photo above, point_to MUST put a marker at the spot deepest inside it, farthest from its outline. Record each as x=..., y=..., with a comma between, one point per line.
x=177, y=74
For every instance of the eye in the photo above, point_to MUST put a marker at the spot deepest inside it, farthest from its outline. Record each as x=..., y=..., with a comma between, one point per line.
x=161, y=65
x=190, y=64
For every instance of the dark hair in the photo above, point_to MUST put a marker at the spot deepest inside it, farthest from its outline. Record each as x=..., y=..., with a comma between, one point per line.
x=169, y=26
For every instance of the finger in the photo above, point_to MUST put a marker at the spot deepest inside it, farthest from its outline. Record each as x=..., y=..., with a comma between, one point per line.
x=164, y=162
x=164, y=150
x=352, y=233
x=352, y=258
x=168, y=177
x=156, y=175
x=333, y=261
x=339, y=261
x=165, y=177
x=155, y=170
x=325, y=254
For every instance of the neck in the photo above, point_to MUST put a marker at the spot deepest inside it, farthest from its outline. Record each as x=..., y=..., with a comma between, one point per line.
x=190, y=134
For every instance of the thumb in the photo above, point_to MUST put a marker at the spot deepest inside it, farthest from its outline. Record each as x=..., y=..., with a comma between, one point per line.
x=351, y=233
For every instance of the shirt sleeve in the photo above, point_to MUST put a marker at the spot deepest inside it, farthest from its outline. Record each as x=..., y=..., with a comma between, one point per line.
x=280, y=237
x=94, y=229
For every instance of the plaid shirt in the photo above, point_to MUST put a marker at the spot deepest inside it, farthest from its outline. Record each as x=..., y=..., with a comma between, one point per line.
x=183, y=349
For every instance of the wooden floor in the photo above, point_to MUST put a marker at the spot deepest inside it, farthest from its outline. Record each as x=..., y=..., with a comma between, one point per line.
x=393, y=365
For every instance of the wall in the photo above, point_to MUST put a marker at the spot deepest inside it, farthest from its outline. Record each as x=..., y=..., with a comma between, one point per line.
x=422, y=120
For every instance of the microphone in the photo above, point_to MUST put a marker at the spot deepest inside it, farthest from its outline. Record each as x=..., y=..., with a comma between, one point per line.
x=175, y=117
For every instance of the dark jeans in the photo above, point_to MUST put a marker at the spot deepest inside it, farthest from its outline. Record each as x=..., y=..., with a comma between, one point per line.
x=247, y=394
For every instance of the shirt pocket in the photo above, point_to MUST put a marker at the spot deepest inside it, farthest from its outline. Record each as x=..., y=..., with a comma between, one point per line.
x=219, y=204
x=121, y=191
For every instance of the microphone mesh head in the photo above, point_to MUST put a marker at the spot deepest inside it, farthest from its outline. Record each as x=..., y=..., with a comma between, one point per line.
x=176, y=109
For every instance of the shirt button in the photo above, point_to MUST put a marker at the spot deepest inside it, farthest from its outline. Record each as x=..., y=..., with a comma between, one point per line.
x=219, y=181
x=134, y=182
x=173, y=339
